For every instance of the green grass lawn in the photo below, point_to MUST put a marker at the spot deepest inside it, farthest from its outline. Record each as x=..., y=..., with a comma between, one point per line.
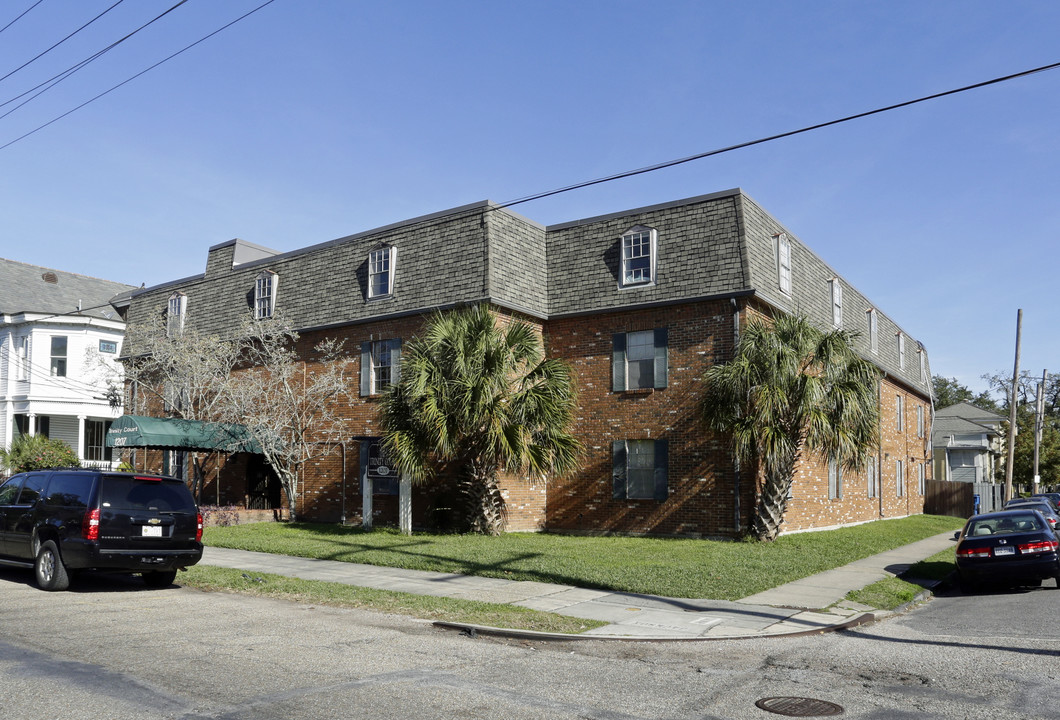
x=892, y=592
x=670, y=567
x=424, y=607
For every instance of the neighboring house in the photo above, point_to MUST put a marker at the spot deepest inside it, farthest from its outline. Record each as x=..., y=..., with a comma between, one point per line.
x=640, y=303
x=966, y=443
x=60, y=338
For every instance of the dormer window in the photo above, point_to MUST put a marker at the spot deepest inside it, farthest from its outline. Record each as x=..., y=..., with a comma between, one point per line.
x=901, y=350
x=874, y=335
x=638, y=257
x=175, y=311
x=265, y=294
x=381, y=265
x=783, y=248
x=837, y=302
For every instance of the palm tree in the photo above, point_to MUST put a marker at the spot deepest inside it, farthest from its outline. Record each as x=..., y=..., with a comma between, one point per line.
x=792, y=387
x=475, y=398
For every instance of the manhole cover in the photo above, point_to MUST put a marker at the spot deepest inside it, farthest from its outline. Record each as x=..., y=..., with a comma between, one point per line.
x=799, y=707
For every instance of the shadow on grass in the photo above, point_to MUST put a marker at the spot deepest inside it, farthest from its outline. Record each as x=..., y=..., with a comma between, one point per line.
x=347, y=549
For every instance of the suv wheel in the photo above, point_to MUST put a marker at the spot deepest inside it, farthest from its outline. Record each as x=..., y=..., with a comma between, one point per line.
x=162, y=578
x=51, y=573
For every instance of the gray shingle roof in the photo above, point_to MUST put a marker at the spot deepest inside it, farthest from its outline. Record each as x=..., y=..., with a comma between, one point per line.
x=32, y=288
x=968, y=412
x=711, y=246
x=943, y=427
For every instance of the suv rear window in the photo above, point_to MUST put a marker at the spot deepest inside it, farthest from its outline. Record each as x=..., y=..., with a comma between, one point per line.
x=69, y=490
x=130, y=493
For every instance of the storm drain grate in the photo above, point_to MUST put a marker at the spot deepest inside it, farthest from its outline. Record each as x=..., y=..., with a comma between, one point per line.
x=799, y=707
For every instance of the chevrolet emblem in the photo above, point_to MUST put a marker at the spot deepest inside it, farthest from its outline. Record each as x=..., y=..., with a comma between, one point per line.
x=154, y=521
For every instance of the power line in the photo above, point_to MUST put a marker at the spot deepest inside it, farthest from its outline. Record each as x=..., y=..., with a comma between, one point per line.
x=142, y=72
x=38, y=57
x=749, y=143
x=37, y=373
x=5, y=27
x=56, y=79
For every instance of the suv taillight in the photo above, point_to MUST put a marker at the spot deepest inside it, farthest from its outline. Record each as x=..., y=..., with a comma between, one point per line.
x=90, y=525
x=198, y=528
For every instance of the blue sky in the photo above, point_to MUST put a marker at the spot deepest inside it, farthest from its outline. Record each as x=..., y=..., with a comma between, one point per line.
x=314, y=119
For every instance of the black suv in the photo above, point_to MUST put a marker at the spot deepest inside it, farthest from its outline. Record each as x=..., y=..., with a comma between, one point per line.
x=60, y=520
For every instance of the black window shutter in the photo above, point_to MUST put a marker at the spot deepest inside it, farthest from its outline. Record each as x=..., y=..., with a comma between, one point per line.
x=661, y=341
x=662, y=464
x=618, y=363
x=618, y=468
x=366, y=368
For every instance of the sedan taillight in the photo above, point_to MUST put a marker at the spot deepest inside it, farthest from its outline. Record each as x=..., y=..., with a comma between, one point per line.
x=198, y=528
x=90, y=525
x=1038, y=546
x=973, y=552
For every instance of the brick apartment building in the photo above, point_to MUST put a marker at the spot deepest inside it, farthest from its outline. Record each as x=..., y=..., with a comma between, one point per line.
x=640, y=303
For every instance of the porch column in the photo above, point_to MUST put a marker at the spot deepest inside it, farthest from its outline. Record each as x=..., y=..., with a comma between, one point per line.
x=366, y=501
x=81, y=437
x=405, y=505
x=7, y=432
x=31, y=423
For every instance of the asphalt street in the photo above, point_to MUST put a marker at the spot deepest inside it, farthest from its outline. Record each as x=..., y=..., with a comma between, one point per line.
x=112, y=649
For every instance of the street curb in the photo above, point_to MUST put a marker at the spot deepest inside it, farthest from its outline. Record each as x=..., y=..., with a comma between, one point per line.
x=475, y=630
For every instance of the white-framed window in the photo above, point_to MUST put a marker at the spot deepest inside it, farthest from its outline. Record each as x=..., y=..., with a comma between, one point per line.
x=872, y=476
x=639, y=246
x=381, y=265
x=639, y=469
x=639, y=360
x=901, y=350
x=835, y=480
x=899, y=478
x=58, y=356
x=22, y=357
x=874, y=331
x=837, y=302
x=923, y=363
x=782, y=245
x=175, y=311
x=265, y=286
x=899, y=413
x=921, y=478
x=920, y=421
x=380, y=365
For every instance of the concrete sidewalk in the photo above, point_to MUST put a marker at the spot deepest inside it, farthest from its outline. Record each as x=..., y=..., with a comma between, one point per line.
x=812, y=605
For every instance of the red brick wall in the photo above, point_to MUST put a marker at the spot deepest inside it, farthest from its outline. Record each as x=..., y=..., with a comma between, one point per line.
x=700, y=474
x=810, y=506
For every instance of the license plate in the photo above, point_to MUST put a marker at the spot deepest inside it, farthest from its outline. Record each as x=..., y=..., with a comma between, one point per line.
x=152, y=531
x=1004, y=551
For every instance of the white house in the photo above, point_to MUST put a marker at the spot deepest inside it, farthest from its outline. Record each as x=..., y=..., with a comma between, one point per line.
x=59, y=340
x=967, y=444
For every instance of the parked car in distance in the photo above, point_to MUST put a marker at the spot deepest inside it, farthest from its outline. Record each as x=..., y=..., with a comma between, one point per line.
x=1008, y=547
x=63, y=520
x=1053, y=497
x=1043, y=506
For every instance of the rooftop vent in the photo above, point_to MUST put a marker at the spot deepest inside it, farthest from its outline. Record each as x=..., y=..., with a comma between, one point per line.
x=50, y=277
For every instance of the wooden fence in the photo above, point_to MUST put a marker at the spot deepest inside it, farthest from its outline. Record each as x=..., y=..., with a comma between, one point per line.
x=957, y=499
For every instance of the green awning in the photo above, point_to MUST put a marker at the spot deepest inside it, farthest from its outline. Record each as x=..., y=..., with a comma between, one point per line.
x=151, y=432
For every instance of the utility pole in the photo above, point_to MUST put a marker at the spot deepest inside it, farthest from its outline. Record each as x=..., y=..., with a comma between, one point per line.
x=1039, y=423
x=1009, y=457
